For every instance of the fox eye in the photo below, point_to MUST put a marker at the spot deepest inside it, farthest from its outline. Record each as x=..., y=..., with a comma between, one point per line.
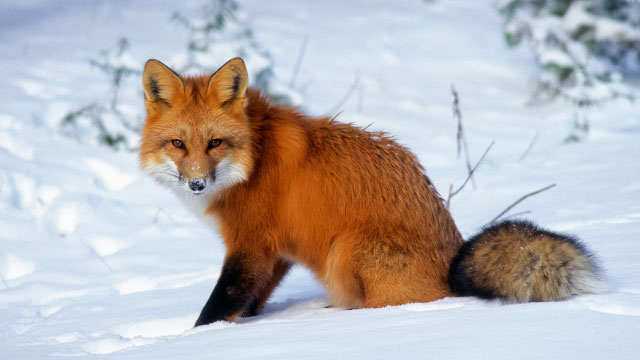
x=177, y=143
x=215, y=143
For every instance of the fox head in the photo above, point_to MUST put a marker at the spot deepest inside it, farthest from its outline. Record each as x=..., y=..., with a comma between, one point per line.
x=196, y=138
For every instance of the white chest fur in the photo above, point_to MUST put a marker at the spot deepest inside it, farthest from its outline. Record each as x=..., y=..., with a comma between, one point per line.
x=198, y=204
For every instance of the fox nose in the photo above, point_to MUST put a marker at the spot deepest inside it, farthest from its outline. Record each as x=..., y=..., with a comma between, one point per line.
x=197, y=185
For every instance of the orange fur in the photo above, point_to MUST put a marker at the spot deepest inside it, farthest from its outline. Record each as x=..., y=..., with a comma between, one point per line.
x=353, y=206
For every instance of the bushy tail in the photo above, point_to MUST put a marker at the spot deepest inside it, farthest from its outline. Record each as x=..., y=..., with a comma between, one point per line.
x=518, y=262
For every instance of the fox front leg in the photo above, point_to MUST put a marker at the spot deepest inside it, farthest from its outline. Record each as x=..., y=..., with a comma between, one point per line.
x=280, y=269
x=241, y=278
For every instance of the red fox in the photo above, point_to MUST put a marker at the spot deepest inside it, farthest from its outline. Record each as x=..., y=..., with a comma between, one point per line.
x=353, y=206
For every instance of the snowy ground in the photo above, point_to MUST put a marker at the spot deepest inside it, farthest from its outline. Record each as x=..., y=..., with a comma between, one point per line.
x=98, y=261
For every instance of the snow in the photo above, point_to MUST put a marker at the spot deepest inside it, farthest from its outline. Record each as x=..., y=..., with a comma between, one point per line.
x=16, y=267
x=98, y=261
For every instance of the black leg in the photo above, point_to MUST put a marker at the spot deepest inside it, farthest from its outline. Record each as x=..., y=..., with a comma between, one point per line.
x=252, y=309
x=235, y=290
x=280, y=269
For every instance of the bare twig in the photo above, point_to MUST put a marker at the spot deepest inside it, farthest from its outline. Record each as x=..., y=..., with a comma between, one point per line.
x=458, y=116
x=303, y=47
x=473, y=170
x=528, y=150
x=518, y=214
x=520, y=200
x=462, y=141
x=449, y=196
x=346, y=96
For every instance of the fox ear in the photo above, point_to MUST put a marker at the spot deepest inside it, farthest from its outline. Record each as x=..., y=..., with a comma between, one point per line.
x=229, y=83
x=160, y=83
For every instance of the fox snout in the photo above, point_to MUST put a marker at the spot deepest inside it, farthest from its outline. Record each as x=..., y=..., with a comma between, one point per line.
x=197, y=185
x=196, y=178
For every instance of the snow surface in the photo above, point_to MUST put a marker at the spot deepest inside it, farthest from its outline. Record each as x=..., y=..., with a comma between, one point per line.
x=97, y=261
